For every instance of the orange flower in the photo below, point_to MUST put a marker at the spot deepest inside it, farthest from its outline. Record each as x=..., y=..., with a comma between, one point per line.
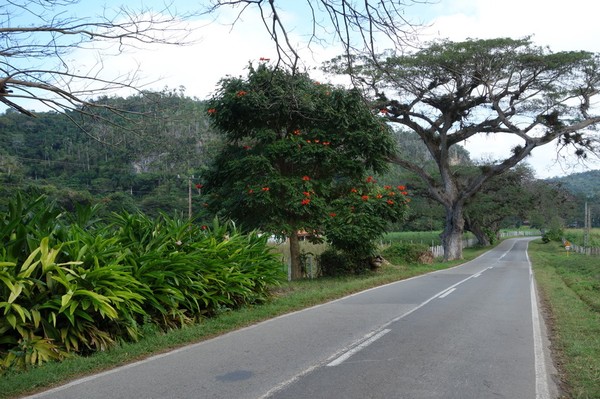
x=390, y=202
x=370, y=179
x=379, y=196
x=305, y=201
x=305, y=178
x=404, y=193
x=332, y=214
x=212, y=111
x=265, y=188
x=296, y=132
x=264, y=59
x=387, y=187
x=326, y=143
x=365, y=197
x=241, y=93
x=391, y=193
x=306, y=193
x=401, y=188
x=250, y=191
x=353, y=190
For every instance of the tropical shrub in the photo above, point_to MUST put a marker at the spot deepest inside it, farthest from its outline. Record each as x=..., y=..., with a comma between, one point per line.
x=78, y=284
x=333, y=262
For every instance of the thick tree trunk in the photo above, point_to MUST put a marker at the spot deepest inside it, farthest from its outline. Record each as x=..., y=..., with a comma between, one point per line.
x=295, y=266
x=453, y=232
x=482, y=238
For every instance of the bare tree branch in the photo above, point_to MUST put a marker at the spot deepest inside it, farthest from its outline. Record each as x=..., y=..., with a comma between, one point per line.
x=357, y=25
x=38, y=35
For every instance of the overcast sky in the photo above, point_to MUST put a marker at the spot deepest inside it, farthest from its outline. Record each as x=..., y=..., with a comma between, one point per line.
x=221, y=50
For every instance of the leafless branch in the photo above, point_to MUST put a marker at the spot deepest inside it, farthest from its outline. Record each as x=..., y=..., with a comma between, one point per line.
x=38, y=35
x=358, y=25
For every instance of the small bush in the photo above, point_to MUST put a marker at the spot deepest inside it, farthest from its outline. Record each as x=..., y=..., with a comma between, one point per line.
x=552, y=235
x=334, y=262
x=405, y=252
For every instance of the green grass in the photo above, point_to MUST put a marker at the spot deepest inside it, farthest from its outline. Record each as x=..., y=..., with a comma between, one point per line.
x=570, y=288
x=289, y=297
x=576, y=236
x=423, y=237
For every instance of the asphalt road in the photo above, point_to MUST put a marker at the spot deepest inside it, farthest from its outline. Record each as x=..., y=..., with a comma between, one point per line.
x=472, y=331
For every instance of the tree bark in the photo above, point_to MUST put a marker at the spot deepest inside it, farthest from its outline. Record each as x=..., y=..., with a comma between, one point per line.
x=295, y=266
x=482, y=238
x=453, y=232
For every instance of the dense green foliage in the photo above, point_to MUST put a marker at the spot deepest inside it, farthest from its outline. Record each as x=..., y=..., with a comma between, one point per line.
x=76, y=283
x=298, y=156
x=142, y=162
x=584, y=188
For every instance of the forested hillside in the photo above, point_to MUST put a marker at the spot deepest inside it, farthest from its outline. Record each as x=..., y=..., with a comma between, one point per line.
x=146, y=160
x=586, y=184
x=143, y=158
x=585, y=188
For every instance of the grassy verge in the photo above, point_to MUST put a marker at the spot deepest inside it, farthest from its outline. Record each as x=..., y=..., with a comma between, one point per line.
x=576, y=236
x=289, y=297
x=570, y=288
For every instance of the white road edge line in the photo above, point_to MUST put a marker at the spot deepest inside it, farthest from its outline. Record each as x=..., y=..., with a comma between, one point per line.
x=340, y=353
x=542, y=390
x=367, y=337
x=448, y=292
x=358, y=348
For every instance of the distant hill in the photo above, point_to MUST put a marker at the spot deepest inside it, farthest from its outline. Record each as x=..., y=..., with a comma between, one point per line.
x=584, y=184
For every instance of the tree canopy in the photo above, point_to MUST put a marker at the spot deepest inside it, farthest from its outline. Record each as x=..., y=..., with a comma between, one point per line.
x=449, y=92
x=297, y=157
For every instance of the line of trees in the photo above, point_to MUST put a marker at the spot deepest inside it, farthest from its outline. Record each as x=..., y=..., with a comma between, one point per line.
x=444, y=92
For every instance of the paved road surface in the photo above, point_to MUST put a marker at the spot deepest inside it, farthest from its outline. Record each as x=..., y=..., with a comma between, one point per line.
x=472, y=331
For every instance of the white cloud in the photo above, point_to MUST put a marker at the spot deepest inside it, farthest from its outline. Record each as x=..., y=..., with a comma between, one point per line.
x=221, y=50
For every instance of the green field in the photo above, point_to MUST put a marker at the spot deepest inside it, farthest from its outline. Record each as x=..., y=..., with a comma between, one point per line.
x=576, y=236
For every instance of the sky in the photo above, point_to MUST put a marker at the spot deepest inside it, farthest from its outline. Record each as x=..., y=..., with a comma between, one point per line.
x=220, y=49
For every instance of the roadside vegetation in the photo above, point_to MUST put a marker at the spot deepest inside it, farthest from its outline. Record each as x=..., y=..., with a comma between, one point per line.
x=570, y=290
x=576, y=236
x=287, y=296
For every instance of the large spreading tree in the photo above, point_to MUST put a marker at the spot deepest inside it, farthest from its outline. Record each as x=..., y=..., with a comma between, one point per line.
x=450, y=92
x=298, y=157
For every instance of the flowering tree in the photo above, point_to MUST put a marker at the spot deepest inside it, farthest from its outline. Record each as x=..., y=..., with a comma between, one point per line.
x=297, y=157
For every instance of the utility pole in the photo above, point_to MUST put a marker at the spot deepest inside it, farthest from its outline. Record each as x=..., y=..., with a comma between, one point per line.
x=190, y=198
x=587, y=226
